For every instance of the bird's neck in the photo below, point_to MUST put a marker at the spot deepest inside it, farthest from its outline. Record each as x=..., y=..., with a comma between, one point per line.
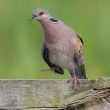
x=51, y=32
x=55, y=32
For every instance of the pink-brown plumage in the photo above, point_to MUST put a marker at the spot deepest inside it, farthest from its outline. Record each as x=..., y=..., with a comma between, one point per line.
x=62, y=47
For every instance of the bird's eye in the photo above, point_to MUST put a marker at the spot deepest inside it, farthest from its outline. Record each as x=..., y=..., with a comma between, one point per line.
x=41, y=13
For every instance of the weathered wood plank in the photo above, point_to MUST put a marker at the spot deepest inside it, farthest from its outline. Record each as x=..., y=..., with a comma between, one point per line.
x=54, y=95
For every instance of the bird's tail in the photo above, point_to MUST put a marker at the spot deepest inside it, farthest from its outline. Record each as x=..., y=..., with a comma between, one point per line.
x=80, y=72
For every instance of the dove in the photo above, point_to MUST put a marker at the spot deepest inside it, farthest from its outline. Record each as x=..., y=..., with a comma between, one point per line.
x=62, y=47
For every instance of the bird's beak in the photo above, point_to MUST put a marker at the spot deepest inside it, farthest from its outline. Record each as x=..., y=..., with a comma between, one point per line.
x=33, y=17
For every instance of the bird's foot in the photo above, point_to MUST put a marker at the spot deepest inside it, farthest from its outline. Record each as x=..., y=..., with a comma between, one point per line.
x=44, y=70
x=74, y=80
x=55, y=69
x=51, y=69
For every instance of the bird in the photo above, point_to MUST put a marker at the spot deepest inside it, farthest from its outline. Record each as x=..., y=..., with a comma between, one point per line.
x=62, y=47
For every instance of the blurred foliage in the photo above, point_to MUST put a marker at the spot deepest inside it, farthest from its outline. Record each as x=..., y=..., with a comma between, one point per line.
x=20, y=40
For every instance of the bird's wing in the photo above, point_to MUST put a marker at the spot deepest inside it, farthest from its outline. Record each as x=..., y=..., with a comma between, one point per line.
x=45, y=55
x=79, y=56
x=80, y=49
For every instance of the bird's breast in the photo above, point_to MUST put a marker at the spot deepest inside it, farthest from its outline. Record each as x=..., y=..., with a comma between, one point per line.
x=60, y=59
x=61, y=54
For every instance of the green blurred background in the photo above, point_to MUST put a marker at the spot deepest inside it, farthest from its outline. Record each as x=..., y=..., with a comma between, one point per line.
x=20, y=40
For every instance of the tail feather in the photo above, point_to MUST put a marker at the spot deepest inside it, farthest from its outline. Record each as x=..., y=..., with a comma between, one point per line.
x=80, y=72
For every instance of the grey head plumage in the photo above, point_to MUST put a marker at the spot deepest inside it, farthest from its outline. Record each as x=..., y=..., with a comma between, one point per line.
x=38, y=13
x=41, y=14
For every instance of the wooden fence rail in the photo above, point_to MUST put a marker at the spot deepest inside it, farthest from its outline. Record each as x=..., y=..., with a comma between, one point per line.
x=54, y=95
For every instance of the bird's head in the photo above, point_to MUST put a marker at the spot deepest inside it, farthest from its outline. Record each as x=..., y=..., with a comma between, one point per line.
x=42, y=14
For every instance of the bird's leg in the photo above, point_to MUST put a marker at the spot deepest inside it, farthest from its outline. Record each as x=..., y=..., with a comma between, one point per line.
x=74, y=79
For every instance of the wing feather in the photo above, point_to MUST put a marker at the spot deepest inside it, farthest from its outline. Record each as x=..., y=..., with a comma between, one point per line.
x=79, y=57
x=45, y=54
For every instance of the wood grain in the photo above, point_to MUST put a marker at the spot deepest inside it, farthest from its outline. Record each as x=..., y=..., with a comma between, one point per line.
x=54, y=95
